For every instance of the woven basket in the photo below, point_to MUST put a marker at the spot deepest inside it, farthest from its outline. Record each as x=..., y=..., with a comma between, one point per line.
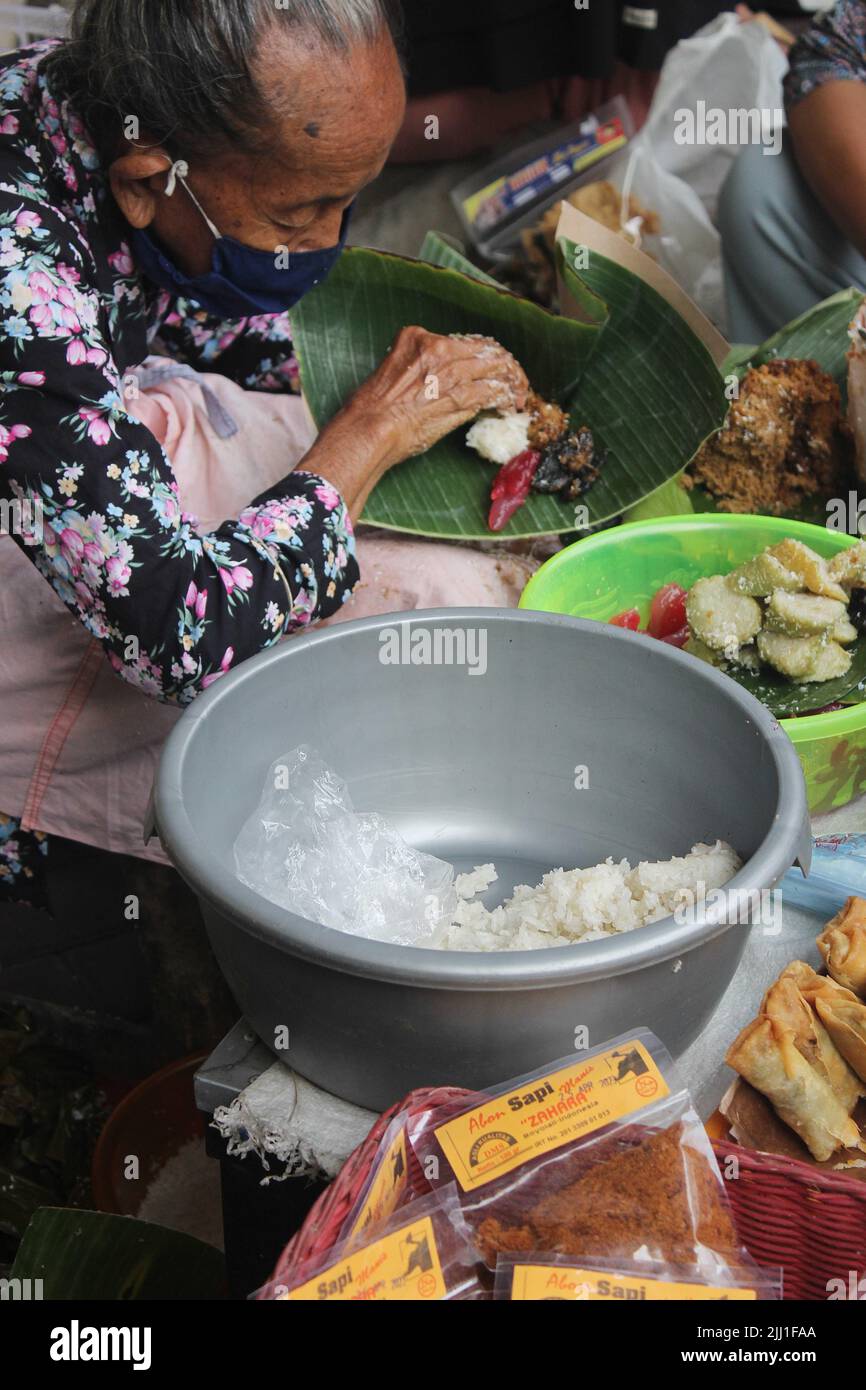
x=811, y=1224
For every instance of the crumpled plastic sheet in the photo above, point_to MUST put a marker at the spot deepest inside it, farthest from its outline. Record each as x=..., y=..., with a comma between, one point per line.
x=306, y=849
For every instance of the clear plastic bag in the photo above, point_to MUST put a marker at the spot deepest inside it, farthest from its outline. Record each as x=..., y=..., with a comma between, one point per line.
x=600, y=1154
x=422, y=1255
x=838, y=872
x=308, y=850
x=556, y=1278
x=388, y=1187
x=687, y=244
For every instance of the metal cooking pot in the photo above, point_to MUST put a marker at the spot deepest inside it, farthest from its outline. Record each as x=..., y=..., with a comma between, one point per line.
x=477, y=732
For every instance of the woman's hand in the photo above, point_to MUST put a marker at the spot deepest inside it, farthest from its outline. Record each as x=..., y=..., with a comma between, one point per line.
x=427, y=386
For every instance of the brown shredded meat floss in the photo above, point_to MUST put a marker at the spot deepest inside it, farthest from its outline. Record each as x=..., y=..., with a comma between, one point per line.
x=657, y=1193
x=784, y=441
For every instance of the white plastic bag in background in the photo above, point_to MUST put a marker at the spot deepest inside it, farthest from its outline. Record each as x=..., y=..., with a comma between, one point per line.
x=687, y=246
x=727, y=65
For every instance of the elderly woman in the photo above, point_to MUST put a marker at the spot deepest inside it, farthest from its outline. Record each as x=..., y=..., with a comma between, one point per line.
x=173, y=179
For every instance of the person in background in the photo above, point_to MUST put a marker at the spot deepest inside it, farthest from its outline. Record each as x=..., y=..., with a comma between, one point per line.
x=495, y=66
x=793, y=225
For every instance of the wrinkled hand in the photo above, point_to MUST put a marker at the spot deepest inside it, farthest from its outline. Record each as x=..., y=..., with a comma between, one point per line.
x=429, y=385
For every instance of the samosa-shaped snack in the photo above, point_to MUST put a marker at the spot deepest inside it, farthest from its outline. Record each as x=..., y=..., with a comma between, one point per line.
x=843, y=946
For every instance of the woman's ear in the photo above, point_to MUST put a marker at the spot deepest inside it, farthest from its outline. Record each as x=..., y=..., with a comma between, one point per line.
x=137, y=181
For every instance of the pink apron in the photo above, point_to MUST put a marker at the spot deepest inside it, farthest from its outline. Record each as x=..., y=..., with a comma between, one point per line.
x=78, y=746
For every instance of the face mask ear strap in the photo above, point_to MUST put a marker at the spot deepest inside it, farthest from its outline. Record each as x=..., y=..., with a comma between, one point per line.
x=179, y=172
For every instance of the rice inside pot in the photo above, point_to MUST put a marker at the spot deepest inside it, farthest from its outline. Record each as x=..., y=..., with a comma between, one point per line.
x=572, y=905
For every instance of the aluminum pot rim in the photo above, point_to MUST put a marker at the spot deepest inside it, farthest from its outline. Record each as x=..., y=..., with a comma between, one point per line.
x=788, y=841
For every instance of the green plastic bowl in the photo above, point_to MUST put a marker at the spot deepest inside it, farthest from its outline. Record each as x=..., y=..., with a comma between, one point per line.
x=625, y=566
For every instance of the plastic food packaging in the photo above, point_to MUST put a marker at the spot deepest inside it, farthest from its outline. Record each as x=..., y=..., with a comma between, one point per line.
x=387, y=1189
x=558, y=1278
x=421, y=1255
x=598, y=1155
x=308, y=850
x=494, y=204
x=838, y=872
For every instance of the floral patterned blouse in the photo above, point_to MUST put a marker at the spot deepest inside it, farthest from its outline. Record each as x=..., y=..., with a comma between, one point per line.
x=173, y=609
x=832, y=50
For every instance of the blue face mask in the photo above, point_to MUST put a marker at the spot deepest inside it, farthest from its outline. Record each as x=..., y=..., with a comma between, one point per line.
x=242, y=281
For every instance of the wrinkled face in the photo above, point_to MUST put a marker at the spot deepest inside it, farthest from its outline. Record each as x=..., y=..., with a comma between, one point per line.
x=335, y=118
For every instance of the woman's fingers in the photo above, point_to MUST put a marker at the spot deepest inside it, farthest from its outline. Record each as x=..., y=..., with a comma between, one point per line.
x=471, y=355
x=496, y=382
x=429, y=385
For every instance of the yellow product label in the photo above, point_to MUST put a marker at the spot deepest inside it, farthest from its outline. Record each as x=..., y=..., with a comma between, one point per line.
x=560, y=1282
x=508, y=1131
x=402, y=1266
x=387, y=1187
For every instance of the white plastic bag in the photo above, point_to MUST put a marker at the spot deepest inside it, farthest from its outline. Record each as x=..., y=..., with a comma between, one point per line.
x=687, y=246
x=729, y=66
x=726, y=66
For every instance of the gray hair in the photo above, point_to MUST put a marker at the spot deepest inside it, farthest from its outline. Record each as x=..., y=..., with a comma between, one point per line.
x=185, y=68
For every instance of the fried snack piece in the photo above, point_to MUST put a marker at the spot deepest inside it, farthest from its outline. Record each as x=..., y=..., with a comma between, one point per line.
x=659, y=1193
x=844, y=1017
x=784, y=440
x=842, y=943
x=841, y=1012
x=789, y=1009
x=797, y=1091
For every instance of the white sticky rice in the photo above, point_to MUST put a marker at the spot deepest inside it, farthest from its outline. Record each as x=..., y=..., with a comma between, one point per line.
x=572, y=905
x=500, y=438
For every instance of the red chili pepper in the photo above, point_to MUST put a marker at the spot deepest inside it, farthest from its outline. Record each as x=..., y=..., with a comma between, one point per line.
x=629, y=619
x=511, y=487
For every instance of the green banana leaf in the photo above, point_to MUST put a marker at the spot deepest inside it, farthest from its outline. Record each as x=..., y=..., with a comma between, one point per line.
x=92, y=1255
x=785, y=700
x=821, y=333
x=632, y=371
x=671, y=500
x=439, y=249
